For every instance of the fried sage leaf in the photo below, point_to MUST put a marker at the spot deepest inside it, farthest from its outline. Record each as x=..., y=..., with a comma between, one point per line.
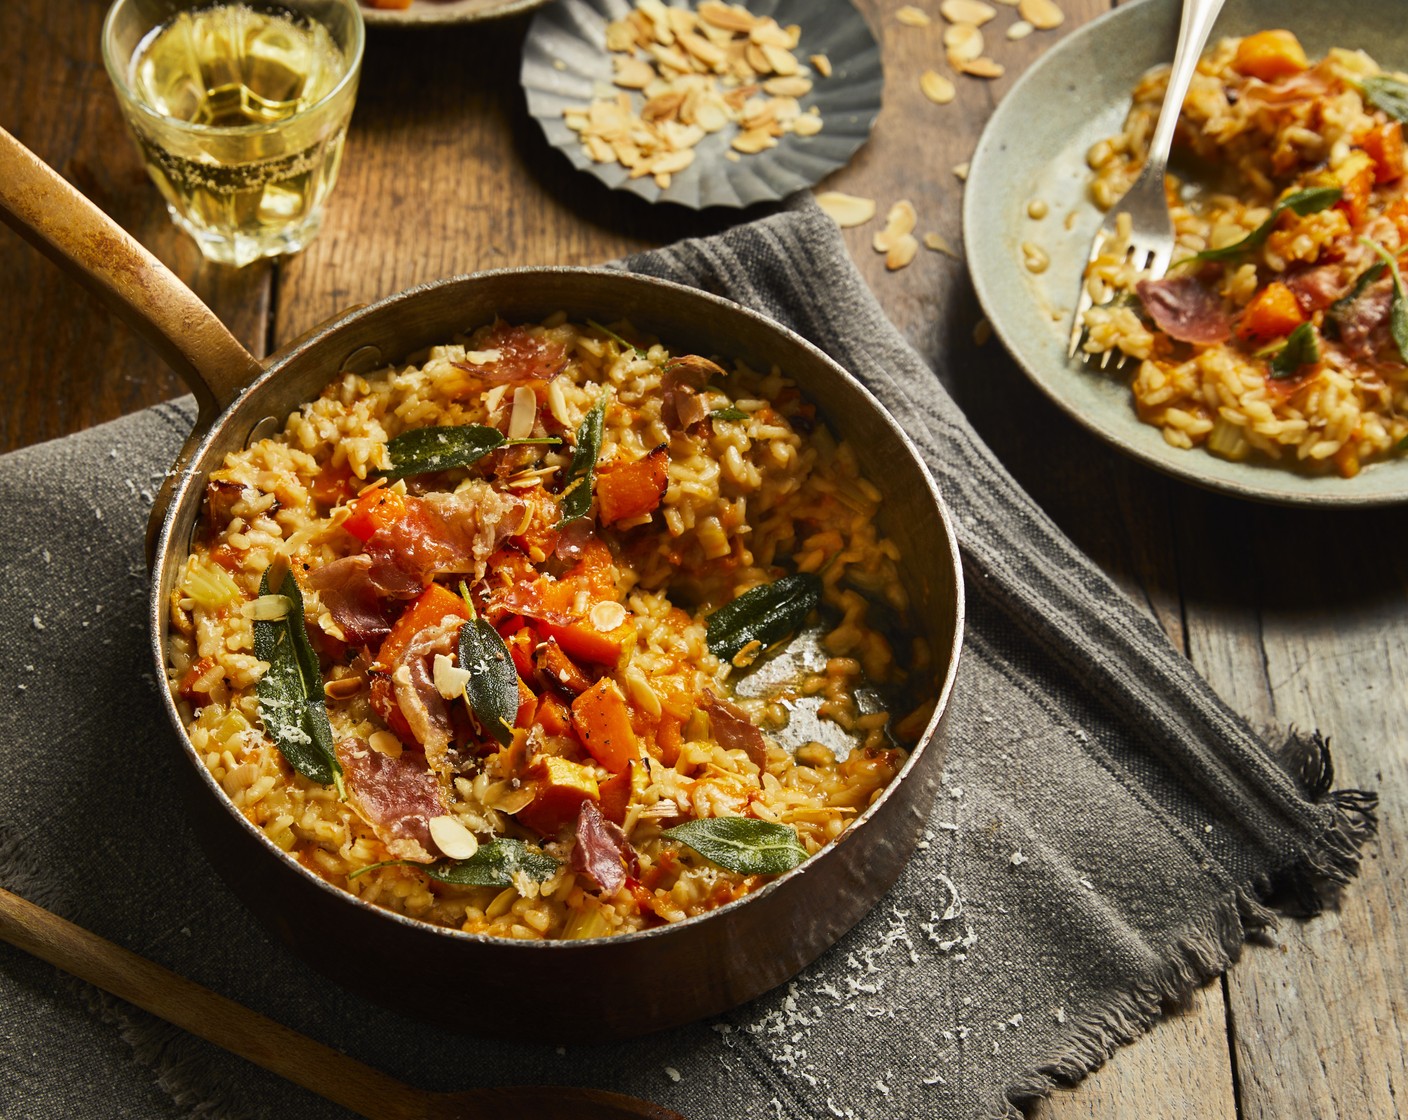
x=766, y=614
x=492, y=688
x=493, y=865
x=616, y=338
x=423, y=450
x=1388, y=94
x=576, y=497
x=1309, y=201
x=729, y=413
x=1302, y=349
x=291, y=700
x=1398, y=309
x=1335, y=313
x=742, y=844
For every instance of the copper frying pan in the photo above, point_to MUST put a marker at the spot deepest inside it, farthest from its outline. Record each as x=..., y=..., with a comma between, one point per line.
x=637, y=982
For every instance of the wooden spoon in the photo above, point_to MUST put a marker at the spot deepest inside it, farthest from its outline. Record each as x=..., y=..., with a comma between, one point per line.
x=366, y=1091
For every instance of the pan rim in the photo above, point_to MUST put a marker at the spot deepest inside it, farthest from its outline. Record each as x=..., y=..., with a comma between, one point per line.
x=182, y=495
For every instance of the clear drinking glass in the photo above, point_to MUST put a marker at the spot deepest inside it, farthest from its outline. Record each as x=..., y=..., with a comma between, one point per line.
x=240, y=111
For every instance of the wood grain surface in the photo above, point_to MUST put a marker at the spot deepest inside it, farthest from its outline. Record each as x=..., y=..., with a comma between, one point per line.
x=1298, y=618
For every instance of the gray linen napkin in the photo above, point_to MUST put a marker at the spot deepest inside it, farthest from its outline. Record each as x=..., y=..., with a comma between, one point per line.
x=1108, y=834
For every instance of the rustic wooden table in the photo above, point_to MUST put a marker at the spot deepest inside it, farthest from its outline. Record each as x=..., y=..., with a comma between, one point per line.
x=1296, y=617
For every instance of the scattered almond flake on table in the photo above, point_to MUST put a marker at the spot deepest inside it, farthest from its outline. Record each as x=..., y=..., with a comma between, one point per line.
x=1019, y=30
x=1086, y=883
x=964, y=42
x=846, y=210
x=1044, y=15
x=983, y=67
x=1018, y=859
x=967, y=11
x=38, y=623
x=937, y=88
x=939, y=244
x=672, y=1073
x=961, y=170
x=911, y=16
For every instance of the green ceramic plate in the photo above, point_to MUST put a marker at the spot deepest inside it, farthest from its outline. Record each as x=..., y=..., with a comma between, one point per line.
x=1034, y=147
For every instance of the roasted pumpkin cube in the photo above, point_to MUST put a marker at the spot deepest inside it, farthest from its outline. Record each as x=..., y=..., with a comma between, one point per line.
x=603, y=724
x=560, y=786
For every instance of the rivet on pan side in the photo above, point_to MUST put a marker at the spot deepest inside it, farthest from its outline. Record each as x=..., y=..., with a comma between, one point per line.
x=262, y=430
x=364, y=359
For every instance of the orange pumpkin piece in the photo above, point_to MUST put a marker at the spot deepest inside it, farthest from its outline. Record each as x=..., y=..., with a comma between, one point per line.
x=559, y=670
x=375, y=509
x=1269, y=55
x=1385, y=146
x=1273, y=312
x=434, y=604
x=553, y=715
x=582, y=640
x=603, y=724
x=632, y=489
x=617, y=790
x=560, y=787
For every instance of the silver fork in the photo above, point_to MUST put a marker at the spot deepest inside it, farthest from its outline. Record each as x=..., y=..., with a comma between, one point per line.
x=1151, y=236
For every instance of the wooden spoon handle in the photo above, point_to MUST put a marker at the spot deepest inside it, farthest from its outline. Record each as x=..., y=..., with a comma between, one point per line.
x=316, y=1067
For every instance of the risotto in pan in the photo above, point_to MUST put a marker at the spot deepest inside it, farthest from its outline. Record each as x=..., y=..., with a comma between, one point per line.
x=482, y=639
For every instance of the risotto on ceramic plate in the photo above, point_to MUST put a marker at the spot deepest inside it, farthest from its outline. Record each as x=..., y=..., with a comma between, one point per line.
x=550, y=633
x=1281, y=330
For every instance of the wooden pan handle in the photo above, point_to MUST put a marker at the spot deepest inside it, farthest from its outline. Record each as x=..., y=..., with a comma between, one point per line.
x=202, y=1012
x=64, y=225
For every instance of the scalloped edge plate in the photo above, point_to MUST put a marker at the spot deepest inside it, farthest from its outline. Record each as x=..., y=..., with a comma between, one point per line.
x=566, y=63
x=434, y=13
x=1034, y=147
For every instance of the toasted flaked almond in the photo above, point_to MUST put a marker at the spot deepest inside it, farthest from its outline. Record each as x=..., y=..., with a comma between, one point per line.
x=1019, y=30
x=709, y=54
x=808, y=124
x=911, y=16
x=670, y=58
x=621, y=35
x=901, y=252
x=753, y=141
x=343, y=687
x=983, y=67
x=608, y=614
x=961, y=170
x=781, y=60
x=384, y=742
x=598, y=149
x=899, y=222
x=711, y=114
x=967, y=11
x=939, y=244
x=729, y=17
x=821, y=64
x=452, y=838
x=936, y=87
x=767, y=33
x=632, y=73
x=756, y=59
x=1041, y=14
x=663, y=106
x=964, y=42
x=846, y=210
x=792, y=86
x=682, y=20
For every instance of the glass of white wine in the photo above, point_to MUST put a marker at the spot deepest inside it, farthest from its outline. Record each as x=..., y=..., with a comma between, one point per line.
x=239, y=109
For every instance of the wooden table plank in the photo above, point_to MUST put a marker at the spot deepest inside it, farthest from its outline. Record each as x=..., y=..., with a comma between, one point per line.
x=1293, y=619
